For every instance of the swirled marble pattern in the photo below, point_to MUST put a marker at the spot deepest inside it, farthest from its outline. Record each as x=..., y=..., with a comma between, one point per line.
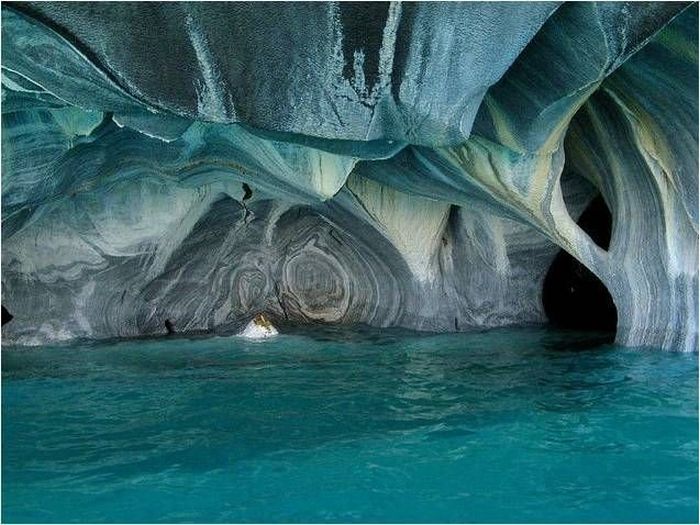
x=413, y=165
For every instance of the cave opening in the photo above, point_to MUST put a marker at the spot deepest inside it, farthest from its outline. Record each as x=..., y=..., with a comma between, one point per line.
x=572, y=295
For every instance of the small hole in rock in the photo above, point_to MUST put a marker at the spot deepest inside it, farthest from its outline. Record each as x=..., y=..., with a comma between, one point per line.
x=6, y=316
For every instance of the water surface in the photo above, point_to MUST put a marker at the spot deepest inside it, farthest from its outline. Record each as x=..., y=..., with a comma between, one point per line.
x=350, y=425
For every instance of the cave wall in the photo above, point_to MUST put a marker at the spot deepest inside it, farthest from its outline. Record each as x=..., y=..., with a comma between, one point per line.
x=400, y=165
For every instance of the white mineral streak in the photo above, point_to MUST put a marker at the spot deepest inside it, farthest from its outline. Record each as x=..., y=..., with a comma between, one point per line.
x=388, y=49
x=413, y=224
x=213, y=101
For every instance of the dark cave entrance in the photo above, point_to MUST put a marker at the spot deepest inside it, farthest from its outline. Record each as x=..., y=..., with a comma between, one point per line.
x=573, y=297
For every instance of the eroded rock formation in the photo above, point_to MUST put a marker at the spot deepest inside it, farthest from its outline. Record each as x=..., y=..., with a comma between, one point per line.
x=415, y=165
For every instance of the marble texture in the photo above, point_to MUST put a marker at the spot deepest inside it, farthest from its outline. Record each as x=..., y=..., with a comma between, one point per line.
x=415, y=165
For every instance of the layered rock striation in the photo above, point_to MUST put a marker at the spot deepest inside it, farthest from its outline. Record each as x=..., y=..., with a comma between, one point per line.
x=415, y=165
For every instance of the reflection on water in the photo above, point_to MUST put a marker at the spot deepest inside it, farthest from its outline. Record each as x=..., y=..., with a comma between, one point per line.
x=350, y=425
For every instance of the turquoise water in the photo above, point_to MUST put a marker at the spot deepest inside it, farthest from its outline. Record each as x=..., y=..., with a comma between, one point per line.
x=348, y=426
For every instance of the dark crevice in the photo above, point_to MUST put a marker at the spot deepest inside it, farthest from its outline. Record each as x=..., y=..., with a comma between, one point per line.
x=6, y=316
x=247, y=194
x=573, y=297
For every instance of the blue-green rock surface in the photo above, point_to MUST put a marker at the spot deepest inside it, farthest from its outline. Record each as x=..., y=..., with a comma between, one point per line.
x=389, y=164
